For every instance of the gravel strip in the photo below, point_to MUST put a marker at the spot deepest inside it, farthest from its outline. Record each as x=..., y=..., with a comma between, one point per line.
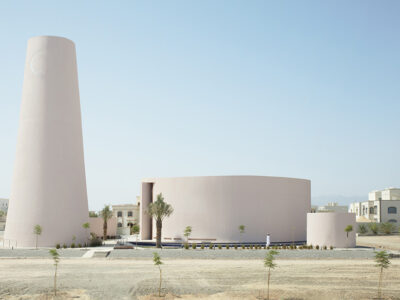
x=242, y=254
x=42, y=253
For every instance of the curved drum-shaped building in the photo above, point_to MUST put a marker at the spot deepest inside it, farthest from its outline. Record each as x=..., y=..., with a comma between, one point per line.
x=215, y=207
x=328, y=229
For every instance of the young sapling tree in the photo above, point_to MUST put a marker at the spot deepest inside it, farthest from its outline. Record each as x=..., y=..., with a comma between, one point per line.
x=157, y=262
x=37, y=230
x=349, y=228
x=270, y=265
x=382, y=262
x=56, y=258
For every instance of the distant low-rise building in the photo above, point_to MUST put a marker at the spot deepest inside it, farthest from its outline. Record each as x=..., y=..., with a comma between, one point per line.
x=333, y=207
x=4, y=205
x=382, y=206
x=3, y=213
x=127, y=215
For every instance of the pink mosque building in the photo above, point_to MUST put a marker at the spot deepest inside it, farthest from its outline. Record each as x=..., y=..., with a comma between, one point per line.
x=215, y=207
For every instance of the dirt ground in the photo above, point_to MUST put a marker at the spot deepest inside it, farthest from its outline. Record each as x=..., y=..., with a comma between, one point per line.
x=196, y=279
x=391, y=242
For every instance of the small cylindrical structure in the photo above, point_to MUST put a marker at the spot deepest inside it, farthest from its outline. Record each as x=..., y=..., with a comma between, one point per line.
x=328, y=229
x=49, y=182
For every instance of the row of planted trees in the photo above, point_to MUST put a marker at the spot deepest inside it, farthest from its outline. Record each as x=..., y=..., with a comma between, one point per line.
x=160, y=210
x=381, y=261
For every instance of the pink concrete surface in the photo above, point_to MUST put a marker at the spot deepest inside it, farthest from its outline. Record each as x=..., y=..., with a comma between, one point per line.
x=215, y=206
x=49, y=182
x=327, y=229
x=96, y=226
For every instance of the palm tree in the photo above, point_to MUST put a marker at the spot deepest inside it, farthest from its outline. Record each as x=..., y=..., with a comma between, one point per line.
x=187, y=232
x=106, y=214
x=159, y=210
x=382, y=262
x=349, y=228
x=37, y=230
x=269, y=263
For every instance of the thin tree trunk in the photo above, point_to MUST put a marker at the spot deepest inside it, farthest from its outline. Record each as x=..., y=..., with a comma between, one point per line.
x=36, y=242
x=55, y=282
x=105, y=230
x=269, y=275
x=159, y=227
x=159, y=288
x=380, y=285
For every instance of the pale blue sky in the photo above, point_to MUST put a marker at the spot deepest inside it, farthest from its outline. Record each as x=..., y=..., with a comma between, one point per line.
x=305, y=89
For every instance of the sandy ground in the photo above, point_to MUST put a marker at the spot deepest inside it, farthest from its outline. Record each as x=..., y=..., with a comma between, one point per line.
x=195, y=279
x=391, y=242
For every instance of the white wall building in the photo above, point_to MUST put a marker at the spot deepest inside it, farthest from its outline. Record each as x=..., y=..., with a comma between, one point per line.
x=382, y=206
x=127, y=215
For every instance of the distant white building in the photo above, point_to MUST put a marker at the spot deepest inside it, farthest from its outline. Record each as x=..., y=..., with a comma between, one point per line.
x=127, y=215
x=332, y=207
x=382, y=206
x=4, y=205
x=4, y=209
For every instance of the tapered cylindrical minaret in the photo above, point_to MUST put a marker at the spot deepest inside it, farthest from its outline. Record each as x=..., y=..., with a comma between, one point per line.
x=49, y=182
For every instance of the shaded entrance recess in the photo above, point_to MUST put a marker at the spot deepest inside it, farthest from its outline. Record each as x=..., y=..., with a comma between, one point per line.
x=146, y=220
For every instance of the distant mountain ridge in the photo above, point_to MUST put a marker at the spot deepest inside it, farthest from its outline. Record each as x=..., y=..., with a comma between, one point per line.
x=340, y=199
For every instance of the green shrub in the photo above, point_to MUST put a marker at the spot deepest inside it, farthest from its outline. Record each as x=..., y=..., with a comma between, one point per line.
x=58, y=246
x=325, y=247
x=251, y=246
x=235, y=246
x=79, y=245
x=317, y=247
x=186, y=246
x=331, y=247
x=268, y=247
x=65, y=246
x=265, y=247
x=374, y=228
x=362, y=228
x=387, y=228
x=194, y=246
x=95, y=242
x=227, y=246
x=211, y=246
x=202, y=246
x=219, y=246
x=243, y=246
x=73, y=245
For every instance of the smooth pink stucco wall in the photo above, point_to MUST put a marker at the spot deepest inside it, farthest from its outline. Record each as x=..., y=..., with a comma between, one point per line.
x=48, y=184
x=96, y=226
x=215, y=206
x=327, y=229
